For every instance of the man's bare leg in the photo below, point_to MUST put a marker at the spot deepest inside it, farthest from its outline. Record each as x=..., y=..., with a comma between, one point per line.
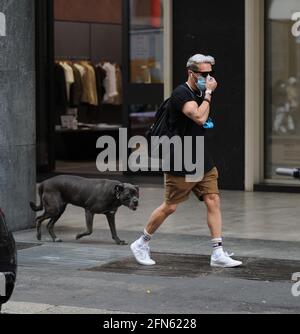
x=140, y=248
x=159, y=216
x=214, y=220
x=214, y=216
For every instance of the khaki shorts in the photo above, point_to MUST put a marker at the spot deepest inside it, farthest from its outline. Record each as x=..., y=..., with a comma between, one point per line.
x=177, y=190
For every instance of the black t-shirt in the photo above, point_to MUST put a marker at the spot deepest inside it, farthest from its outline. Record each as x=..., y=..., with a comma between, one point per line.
x=184, y=126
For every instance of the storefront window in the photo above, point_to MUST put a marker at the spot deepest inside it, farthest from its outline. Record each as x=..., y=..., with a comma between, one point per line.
x=146, y=41
x=283, y=86
x=142, y=116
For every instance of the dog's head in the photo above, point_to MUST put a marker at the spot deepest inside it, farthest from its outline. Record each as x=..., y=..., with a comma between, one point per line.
x=128, y=195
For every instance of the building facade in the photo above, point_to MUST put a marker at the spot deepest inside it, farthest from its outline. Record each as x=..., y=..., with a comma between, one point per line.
x=256, y=109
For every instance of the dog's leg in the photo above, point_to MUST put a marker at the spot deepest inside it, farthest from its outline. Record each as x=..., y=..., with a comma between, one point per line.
x=112, y=224
x=89, y=217
x=50, y=228
x=39, y=221
x=51, y=224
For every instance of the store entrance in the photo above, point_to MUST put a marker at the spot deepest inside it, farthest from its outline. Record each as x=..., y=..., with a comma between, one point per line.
x=87, y=80
x=99, y=69
x=79, y=82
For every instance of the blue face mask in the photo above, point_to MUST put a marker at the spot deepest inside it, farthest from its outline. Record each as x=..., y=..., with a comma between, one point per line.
x=201, y=84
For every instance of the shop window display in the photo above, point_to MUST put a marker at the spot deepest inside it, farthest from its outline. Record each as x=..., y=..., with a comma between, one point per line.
x=282, y=87
x=146, y=41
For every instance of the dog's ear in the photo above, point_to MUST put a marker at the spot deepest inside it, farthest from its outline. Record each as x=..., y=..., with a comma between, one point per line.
x=137, y=189
x=119, y=189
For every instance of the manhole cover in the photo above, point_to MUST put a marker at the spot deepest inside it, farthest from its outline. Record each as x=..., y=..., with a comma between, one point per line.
x=175, y=265
x=25, y=245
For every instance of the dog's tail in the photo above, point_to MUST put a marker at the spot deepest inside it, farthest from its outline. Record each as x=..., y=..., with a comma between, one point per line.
x=33, y=206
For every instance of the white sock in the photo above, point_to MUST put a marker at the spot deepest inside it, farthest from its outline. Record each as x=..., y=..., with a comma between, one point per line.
x=217, y=245
x=145, y=238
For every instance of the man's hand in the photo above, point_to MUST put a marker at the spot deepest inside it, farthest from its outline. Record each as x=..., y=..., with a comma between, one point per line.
x=211, y=83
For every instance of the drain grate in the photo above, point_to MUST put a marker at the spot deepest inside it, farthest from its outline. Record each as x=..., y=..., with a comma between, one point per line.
x=26, y=245
x=176, y=265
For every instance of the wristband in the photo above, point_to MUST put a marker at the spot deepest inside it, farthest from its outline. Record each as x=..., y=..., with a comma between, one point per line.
x=209, y=91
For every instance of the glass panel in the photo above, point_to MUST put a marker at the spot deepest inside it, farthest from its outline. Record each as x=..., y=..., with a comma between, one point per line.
x=142, y=116
x=283, y=94
x=146, y=41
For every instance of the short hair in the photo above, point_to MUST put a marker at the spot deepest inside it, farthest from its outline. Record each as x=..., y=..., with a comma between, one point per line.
x=197, y=59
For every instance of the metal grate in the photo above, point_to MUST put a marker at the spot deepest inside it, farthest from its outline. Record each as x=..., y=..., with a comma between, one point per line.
x=176, y=265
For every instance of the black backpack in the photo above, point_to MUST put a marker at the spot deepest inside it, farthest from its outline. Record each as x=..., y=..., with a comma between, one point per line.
x=160, y=127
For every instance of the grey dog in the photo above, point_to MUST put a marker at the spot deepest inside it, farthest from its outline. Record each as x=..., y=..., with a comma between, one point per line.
x=94, y=195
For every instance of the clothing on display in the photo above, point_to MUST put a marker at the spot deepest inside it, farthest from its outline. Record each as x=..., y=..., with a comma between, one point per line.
x=100, y=77
x=60, y=91
x=110, y=82
x=69, y=75
x=76, y=90
x=82, y=82
x=89, y=95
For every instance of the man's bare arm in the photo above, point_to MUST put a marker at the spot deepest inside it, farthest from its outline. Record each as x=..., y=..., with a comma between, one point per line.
x=201, y=114
x=198, y=114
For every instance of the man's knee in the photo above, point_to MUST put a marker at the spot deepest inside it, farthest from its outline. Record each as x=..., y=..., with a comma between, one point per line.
x=169, y=209
x=212, y=200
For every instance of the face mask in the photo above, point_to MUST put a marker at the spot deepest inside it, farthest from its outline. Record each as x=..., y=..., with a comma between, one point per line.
x=201, y=84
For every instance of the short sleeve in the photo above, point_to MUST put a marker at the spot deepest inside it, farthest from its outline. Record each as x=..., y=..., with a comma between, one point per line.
x=180, y=97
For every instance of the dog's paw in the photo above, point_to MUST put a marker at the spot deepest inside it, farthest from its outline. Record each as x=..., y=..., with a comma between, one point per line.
x=39, y=237
x=78, y=237
x=58, y=240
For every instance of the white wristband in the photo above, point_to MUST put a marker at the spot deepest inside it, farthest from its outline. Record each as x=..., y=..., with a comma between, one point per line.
x=209, y=91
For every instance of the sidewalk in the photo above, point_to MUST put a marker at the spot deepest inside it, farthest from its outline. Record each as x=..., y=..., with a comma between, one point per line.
x=96, y=276
x=35, y=308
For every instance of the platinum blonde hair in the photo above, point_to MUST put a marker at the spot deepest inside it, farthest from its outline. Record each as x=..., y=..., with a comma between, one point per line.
x=197, y=59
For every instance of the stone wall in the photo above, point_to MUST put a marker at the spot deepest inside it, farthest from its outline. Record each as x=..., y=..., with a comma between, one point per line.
x=17, y=112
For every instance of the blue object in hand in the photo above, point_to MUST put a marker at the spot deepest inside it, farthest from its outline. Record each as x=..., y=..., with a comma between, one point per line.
x=209, y=124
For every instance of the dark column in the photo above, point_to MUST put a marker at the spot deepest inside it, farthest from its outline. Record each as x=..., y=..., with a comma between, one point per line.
x=217, y=28
x=17, y=112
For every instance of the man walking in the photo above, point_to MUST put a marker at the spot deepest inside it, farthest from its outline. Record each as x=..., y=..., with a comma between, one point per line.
x=189, y=108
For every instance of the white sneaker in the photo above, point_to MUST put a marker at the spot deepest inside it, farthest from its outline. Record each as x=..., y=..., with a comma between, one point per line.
x=142, y=254
x=224, y=260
